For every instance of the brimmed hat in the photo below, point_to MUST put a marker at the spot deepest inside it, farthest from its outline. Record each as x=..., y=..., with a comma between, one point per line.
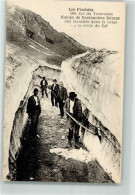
x=72, y=94
x=54, y=80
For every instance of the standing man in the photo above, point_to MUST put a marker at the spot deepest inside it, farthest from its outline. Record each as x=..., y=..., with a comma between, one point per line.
x=62, y=95
x=54, y=93
x=74, y=108
x=34, y=110
x=44, y=85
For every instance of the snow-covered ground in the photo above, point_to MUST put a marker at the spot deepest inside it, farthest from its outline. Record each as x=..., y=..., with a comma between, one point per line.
x=34, y=48
x=76, y=154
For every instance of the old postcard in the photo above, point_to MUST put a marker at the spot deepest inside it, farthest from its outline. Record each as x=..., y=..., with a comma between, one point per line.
x=64, y=78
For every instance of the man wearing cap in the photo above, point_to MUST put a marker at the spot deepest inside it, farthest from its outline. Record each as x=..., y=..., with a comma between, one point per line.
x=74, y=108
x=44, y=85
x=54, y=93
x=34, y=110
x=62, y=96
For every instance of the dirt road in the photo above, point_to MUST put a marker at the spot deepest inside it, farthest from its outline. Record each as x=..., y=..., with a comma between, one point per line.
x=46, y=158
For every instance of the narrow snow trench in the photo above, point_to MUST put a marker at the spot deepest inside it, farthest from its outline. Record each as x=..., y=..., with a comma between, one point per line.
x=46, y=158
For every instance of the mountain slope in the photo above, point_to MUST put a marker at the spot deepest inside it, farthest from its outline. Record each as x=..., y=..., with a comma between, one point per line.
x=24, y=24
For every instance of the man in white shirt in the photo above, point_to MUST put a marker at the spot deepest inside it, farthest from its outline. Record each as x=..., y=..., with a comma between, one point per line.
x=61, y=97
x=74, y=108
x=34, y=110
x=71, y=106
x=54, y=93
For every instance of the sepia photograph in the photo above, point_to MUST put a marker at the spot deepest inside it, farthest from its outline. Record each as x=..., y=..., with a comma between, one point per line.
x=63, y=101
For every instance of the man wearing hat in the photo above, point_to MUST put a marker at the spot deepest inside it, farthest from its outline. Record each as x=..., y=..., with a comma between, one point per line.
x=74, y=108
x=54, y=93
x=44, y=85
x=34, y=110
x=62, y=96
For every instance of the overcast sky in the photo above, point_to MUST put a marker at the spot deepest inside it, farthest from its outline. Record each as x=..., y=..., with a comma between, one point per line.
x=109, y=38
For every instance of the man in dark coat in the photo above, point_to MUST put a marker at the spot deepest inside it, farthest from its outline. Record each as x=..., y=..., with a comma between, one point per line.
x=34, y=110
x=44, y=85
x=62, y=95
x=74, y=108
x=54, y=93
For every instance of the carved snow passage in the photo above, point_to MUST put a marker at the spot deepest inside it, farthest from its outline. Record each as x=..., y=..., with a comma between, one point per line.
x=97, y=79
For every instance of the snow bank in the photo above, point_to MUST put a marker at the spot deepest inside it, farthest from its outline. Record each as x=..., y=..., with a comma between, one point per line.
x=22, y=75
x=97, y=78
x=75, y=154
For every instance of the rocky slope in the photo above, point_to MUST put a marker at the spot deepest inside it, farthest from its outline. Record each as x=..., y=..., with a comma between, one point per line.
x=25, y=23
x=97, y=79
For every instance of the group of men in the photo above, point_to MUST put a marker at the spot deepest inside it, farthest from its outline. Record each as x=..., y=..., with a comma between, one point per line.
x=69, y=105
x=58, y=93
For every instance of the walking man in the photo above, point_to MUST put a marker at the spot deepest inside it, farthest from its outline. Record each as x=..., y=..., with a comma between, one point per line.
x=44, y=85
x=34, y=110
x=74, y=108
x=62, y=95
x=54, y=93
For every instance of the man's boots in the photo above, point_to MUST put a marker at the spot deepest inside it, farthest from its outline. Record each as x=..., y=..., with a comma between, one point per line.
x=77, y=143
x=70, y=143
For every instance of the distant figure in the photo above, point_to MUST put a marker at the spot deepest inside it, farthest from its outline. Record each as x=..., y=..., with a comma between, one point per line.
x=54, y=93
x=44, y=85
x=62, y=95
x=74, y=108
x=34, y=110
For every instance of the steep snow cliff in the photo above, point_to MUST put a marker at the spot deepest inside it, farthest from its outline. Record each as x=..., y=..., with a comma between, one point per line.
x=97, y=78
x=34, y=49
x=19, y=83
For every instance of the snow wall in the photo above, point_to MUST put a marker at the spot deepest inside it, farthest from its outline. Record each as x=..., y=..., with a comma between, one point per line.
x=23, y=74
x=97, y=79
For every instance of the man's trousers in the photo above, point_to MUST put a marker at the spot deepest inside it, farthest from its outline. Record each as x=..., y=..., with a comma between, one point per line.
x=34, y=122
x=54, y=100
x=44, y=91
x=73, y=129
x=61, y=105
